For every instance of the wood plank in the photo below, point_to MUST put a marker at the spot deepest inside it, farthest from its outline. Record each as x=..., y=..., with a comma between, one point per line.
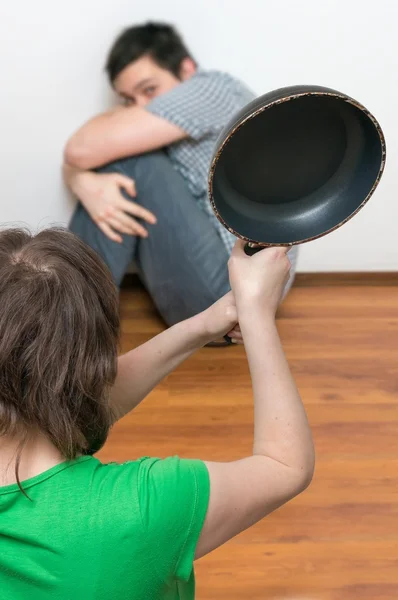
x=362, y=278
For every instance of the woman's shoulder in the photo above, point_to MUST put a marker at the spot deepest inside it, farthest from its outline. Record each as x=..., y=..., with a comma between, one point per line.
x=149, y=473
x=119, y=470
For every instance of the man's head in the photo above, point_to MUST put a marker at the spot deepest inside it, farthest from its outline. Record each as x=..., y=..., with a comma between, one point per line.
x=146, y=61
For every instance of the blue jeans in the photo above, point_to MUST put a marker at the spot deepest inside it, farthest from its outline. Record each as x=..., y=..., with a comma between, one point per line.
x=183, y=262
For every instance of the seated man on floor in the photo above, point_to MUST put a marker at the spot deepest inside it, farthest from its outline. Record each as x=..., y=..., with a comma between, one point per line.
x=140, y=171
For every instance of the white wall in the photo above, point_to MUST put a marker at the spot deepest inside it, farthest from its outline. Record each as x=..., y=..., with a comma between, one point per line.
x=51, y=58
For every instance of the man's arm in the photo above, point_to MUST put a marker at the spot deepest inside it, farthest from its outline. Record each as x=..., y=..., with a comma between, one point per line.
x=116, y=134
x=71, y=177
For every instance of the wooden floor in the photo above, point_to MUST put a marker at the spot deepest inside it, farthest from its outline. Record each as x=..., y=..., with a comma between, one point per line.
x=339, y=540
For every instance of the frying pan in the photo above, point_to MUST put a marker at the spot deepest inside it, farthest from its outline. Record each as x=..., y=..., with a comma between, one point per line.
x=294, y=165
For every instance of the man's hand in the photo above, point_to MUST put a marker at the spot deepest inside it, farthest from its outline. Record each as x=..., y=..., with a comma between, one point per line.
x=100, y=193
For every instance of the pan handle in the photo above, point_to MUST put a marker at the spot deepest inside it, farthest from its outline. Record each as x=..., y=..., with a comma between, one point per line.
x=250, y=249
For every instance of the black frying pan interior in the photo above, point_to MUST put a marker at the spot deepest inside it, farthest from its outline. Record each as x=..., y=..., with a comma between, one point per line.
x=296, y=170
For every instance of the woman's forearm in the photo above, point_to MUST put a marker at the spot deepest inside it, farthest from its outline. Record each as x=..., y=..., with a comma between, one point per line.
x=141, y=369
x=281, y=429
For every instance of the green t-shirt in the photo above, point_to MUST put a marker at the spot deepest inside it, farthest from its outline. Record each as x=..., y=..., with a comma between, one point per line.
x=94, y=531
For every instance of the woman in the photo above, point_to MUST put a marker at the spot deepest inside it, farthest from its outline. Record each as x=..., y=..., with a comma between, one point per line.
x=72, y=527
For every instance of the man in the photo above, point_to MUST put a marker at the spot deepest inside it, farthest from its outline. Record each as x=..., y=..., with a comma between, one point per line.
x=140, y=171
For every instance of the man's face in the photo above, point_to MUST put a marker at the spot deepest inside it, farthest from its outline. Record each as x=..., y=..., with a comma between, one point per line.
x=143, y=80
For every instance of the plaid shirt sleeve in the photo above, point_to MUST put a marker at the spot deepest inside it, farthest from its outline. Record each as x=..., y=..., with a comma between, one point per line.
x=198, y=105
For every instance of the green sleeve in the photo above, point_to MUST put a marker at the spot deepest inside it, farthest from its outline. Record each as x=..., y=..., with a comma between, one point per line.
x=173, y=497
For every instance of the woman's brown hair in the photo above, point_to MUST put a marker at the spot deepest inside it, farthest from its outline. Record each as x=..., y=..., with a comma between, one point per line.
x=59, y=328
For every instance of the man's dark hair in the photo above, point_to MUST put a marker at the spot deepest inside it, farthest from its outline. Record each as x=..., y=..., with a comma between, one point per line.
x=59, y=327
x=158, y=40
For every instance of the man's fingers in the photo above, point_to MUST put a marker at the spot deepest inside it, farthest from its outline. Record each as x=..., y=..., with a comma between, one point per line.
x=116, y=225
x=127, y=184
x=132, y=228
x=131, y=225
x=137, y=211
x=115, y=237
